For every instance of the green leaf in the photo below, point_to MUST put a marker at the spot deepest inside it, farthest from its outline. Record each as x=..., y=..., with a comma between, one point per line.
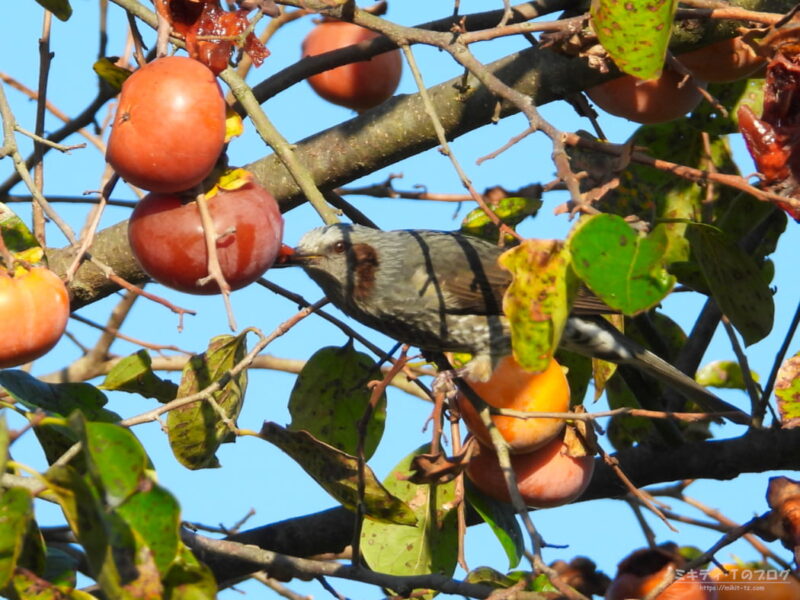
x=745, y=92
x=735, y=281
x=537, y=302
x=511, y=210
x=127, y=524
x=189, y=579
x=625, y=270
x=737, y=216
x=133, y=374
x=196, y=430
x=58, y=399
x=110, y=73
x=120, y=470
x=34, y=552
x=16, y=510
x=116, y=460
x=337, y=473
x=502, y=519
x=787, y=390
x=4, y=442
x=669, y=335
x=118, y=558
x=60, y=8
x=155, y=514
x=723, y=374
x=579, y=374
x=488, y=576
x=330, y=396
x=646, y=192
x=635, y=34
x=431, y=545
x=625, y=430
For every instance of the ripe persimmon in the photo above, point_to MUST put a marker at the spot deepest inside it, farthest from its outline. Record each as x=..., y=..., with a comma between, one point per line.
x=360, y=85
x=512, y=387
x=167, y=238
x=169, y=129
x=34, y=308
x=723, y=61
x=546, y=477
x=647, y=101
x=644, y=570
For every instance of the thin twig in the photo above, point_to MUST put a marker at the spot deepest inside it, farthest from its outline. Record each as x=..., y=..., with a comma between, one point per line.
x=445, y=146
x=41, y=140
x=744, y=365
x=204, y=394
x=284, y=151
x=215, y=273
x=54, y=110
x=45, y=58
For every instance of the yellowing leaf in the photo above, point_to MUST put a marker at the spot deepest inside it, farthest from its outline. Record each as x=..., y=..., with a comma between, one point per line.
x=787, y=389
x=234, y=126
x=723, y=374
x=197, y=430
x=17, y=237
x=230, y=179
x=337, y=473
x=537, y=302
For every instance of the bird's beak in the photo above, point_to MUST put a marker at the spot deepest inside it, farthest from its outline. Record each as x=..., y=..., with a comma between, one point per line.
x=290, y=257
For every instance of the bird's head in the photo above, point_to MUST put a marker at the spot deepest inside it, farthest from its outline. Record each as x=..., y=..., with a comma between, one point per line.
x=343, y=259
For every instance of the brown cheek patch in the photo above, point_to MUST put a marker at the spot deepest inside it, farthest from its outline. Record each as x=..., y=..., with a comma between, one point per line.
x=365, y=264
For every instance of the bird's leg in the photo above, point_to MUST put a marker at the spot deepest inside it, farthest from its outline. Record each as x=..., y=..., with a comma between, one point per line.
x=444, y=383
x=479, y=368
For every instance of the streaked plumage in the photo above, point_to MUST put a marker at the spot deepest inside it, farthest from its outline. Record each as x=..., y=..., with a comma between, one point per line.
x=443, y=291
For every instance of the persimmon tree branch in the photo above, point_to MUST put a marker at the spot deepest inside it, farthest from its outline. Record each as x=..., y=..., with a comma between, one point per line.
x=757, y=451
x=399, y=128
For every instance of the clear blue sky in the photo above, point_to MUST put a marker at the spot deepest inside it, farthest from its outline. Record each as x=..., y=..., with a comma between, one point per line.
x=254, y=474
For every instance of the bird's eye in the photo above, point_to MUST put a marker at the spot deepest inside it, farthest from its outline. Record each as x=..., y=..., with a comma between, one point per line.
x=339, y=247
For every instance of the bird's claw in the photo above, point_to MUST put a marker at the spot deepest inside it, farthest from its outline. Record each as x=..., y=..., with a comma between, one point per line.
x=444, y=383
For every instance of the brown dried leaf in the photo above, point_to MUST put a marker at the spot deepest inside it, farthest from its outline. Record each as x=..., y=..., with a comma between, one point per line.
x=438, y=468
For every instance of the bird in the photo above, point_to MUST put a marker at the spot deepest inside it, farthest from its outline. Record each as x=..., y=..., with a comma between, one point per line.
x=442, y=291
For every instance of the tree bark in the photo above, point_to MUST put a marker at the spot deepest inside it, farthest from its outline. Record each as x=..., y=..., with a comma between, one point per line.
x=758, y=451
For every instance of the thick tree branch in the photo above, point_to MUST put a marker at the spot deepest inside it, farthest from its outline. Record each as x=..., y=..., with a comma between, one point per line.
x=756, y=452
x=395, y=130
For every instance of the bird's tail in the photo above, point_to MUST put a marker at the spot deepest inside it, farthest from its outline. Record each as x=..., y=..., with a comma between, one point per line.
x=597, y=338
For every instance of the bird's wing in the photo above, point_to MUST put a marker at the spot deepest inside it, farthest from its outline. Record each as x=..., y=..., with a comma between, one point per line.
x=471, y=282
x=586, y=303
x=462, y=272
